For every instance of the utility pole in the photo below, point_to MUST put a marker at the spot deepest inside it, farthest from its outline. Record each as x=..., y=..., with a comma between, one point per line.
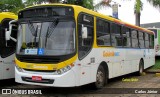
x=115, y=9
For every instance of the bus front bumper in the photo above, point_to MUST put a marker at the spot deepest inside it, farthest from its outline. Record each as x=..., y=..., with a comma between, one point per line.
x=64, y=80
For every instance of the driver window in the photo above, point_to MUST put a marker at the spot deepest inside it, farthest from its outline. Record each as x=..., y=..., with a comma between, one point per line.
x=85, y=35
x=7, y=48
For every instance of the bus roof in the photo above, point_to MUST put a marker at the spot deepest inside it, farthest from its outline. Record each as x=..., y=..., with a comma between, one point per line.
x=4, y=15
x=82, y=9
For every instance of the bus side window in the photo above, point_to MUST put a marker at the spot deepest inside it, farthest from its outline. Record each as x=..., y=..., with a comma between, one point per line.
x=116, y=35
x=85, y=34
x=151, y=41
x=9, y=49
x=103, y=32
x=134, y=36
x=126, y=37
x=141, y=39
x=146, y=40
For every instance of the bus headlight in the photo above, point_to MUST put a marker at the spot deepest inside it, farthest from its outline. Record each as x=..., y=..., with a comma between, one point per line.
x=65, y=69
x=19, y=68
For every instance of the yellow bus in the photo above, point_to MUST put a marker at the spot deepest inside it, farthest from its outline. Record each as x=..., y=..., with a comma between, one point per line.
x=64, y=45
x=7, y=47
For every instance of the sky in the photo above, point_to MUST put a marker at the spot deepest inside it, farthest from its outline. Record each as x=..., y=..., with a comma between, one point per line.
x=149, y=14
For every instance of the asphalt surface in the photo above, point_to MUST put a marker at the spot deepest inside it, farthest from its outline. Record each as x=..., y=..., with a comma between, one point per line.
x=130, y=85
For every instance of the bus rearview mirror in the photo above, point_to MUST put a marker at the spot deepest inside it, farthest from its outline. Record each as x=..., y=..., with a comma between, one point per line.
x=84, y=32
x=8, y=32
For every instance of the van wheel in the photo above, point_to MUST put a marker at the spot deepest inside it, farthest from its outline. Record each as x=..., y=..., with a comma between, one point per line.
x=100, y=78
x=141, y=68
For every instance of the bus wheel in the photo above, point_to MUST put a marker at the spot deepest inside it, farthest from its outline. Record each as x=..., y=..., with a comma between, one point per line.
x=100, y=78
x=141, y=68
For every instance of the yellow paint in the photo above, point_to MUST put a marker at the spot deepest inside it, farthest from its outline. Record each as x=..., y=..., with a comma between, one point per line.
x=157, y=74
x=39, y=66
x=130, y=79
x=110, y=53
x=6, y=15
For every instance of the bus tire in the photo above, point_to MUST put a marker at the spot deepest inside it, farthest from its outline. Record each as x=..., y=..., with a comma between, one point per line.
x=100, y=78
x=141, y=67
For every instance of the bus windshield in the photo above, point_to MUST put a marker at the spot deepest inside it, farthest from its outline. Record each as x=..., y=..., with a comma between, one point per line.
x=54, y=38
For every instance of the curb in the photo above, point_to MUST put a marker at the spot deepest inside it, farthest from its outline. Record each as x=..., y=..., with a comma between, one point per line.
x=156, y=72
x=152, y=71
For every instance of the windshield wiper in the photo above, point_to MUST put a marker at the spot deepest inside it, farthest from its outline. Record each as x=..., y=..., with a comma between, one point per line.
x=46, y=37
x=34, y=32
x=35, y=36
x=31, y=28
x=51, y=29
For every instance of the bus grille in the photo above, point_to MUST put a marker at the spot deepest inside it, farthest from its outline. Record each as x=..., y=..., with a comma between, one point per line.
x=40, y=60
x=43, y=71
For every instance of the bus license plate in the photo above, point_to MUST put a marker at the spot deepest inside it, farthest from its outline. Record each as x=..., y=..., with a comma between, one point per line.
x=36, y=78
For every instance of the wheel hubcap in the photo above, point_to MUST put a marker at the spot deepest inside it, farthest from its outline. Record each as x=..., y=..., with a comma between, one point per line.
x=100, y=78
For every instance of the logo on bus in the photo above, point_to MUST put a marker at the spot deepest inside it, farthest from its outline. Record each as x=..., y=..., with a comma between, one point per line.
x=110, y=54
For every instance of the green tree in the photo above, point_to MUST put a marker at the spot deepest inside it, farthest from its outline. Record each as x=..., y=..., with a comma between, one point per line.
x=11, y=5
x=138, y=7
x=154, y=3
x=88, y=4
x=34, y=2
x=85, y=3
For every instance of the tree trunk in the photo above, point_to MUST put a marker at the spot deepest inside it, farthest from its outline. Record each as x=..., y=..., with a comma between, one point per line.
x=137, y=16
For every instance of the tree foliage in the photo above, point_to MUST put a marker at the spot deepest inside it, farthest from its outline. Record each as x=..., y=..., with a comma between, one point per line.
x=155, y=3
x=15, y=5
x=138, y=6
x=85, y=3
x=11, y=5
x=35, y=2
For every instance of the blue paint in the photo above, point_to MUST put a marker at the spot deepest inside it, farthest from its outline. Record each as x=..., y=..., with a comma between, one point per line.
x=40, y=51
x=116, y=54
x=115, y=15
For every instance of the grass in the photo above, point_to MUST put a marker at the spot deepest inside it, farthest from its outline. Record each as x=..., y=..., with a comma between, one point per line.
x=157, y=64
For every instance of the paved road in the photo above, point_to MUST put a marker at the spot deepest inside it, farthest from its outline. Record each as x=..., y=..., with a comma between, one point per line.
x=117, y=87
